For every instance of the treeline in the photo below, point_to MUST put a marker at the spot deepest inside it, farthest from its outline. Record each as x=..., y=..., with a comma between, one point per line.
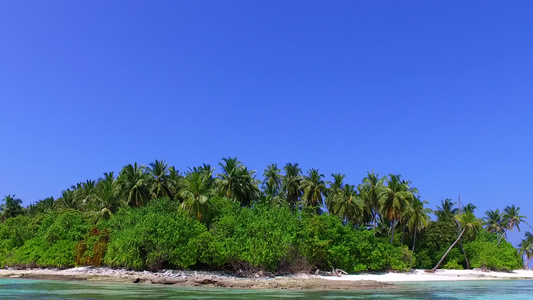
x=156, y=217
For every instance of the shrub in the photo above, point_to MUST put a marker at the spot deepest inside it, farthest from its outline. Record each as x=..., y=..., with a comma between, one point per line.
x=153, y=237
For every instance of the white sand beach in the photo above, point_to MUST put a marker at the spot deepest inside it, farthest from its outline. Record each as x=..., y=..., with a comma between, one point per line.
x=439, y=275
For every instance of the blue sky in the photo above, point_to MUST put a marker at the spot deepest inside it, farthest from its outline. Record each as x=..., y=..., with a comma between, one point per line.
x=438, y=91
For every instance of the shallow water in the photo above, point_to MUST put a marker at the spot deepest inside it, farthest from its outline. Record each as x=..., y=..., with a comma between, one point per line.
x=46, y=289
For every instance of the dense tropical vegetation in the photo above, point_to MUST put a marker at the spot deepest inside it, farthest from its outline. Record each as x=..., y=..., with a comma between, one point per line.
x=155, y=217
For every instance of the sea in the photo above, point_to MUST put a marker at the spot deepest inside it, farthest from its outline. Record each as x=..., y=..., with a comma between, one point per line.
x=50, y=289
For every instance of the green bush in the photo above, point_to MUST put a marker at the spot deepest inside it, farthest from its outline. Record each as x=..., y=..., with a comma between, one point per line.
x=261, y=237
x=14, y=232
x=485, y=252
x=326, y=242
x=53, y=241
x=153, y=237
x=453, y=264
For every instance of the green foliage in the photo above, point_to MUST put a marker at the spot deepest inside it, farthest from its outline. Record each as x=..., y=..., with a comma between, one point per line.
x=453, y=264
x=153, y=237
x=280, y=229
x=28, y=254
x=14, y=232
x=261, y=236
x=424, y=260
x=434, y=241
x=52, y=242
x=60, y=254
x=485, y=252
x=325, y=242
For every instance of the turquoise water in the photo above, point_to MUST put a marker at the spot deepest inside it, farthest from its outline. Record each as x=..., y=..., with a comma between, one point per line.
x=45, y=289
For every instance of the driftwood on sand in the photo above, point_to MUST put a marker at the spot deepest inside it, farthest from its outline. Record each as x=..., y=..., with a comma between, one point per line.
x=334, y=272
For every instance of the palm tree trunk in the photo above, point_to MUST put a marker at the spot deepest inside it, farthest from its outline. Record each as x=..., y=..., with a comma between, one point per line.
x=414, y=241
x=449, y=249
x=375, y=222
x=392, y=234
x=500, y=239
x=464, y=253
x=403, y=232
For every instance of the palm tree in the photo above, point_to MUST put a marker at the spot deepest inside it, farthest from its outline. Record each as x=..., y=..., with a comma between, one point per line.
x=11, y=207
x=291, y=184
x=107, y=201
x=85, y=193
x=417, y=218
x=248, y=187
x=271, y=196
x=348, y=204
x=526, y=249
x=469, y=224
x=236, y=182
x=41, y=206
x=370, y=189
x=229, y=176
x=161, y=184
x=133, y=183
x=493, y=221
x=272, y=180
x=469, y=207
x=174, y=178
x=272, y=186
x=511, y=218
x=334, y=189
x=446, y=211
x=313, y=185
x=196, y=192
x=68, y=200
x=394, y=197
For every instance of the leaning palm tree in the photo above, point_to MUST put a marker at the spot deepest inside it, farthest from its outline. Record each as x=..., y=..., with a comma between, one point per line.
x=511, y=218
x=313, y=186
x=133, y=183
x=394, y=198
x=11, y=207
x=526, y=249
x=196, y=195
x=291, y=184
x=417, y=218
x=469, y=225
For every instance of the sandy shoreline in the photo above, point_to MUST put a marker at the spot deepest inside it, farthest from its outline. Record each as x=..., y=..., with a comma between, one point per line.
x=193, y=278
x=302, y=281
x=439, y=275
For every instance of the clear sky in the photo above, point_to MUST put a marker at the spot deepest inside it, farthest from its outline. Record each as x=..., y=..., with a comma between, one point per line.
x=438, y=91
